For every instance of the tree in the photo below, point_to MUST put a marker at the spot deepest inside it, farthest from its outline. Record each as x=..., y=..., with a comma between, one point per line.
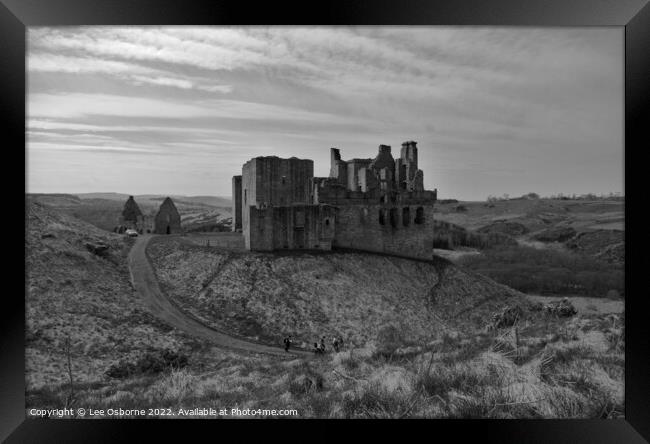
x=70, y=398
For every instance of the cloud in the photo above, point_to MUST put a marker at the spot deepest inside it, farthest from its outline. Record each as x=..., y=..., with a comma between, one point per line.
x=44, y=62
x=135, y=73
x=166, y=81
x=216, y=88
x=137, y=127
x=523, y=97
x=80, y=105
x=44, y=146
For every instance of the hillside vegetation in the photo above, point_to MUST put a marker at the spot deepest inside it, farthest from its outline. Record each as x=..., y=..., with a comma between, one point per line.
x=310, y=295
x=549, y=271
x=548, y=246
x=103, y=210
x=80, y=306
x=78, y=293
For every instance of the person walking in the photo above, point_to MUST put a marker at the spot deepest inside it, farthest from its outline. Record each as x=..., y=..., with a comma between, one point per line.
x=287, y=343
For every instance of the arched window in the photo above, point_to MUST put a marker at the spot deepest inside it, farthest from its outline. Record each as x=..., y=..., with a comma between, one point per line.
x=419, y=215
x=381, y=216
x=393, y=217
x=406, y=216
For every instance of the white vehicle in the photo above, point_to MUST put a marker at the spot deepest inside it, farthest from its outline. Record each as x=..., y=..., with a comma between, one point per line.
x=131, y=232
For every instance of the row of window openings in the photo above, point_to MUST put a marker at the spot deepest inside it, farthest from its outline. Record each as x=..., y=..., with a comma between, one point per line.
x=406, y=216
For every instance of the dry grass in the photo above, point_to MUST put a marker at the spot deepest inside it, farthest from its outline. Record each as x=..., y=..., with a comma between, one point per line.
x=564, y=378
x=542, y=367
x=308, y=295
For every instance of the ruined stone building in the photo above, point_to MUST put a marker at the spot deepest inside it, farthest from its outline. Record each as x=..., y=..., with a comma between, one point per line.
x=132, y=218
x=167, y=220
x=377, y=205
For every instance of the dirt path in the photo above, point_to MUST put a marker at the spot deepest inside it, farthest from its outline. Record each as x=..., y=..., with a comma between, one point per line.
x=144, y=281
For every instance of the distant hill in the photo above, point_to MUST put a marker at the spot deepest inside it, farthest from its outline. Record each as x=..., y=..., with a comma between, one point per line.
x=58, y=200
x=209, y=213
x=213, y=201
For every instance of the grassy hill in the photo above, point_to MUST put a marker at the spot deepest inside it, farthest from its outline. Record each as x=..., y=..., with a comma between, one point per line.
x=562, y=246
x=536, y=214
x=77, y=295
x=81, y=308
x=211, y=201
x=309, y=295
x=198, y=213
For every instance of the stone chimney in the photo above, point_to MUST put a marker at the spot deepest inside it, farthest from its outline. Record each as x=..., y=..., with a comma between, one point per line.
x=384, y=149
x=409, y=153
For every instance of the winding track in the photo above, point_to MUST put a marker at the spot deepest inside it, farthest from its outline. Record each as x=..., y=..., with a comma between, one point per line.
x=144, y=281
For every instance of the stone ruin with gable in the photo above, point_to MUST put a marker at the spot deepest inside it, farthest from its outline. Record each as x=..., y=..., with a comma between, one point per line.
x=378, y=205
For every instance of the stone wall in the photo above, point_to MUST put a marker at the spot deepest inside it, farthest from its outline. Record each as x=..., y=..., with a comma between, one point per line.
x=236, y=203
x=167, y=220
x=285, y=207
x=353, y=168
x=338, y=167
x=294, y=227
x=249, y=188
x=359, y=227
x=273, y=181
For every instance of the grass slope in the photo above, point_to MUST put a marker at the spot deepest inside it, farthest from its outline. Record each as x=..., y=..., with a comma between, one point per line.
x=309, y=295
x=542, y=367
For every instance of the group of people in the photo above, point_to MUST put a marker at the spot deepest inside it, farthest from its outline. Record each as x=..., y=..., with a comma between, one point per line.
x=319, y=348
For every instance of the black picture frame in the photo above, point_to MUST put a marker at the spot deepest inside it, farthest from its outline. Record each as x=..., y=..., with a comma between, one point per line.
x=634, y=15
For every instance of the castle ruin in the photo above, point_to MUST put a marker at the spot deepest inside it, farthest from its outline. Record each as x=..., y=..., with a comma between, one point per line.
x=131, y=218
x=167, y=220
x=377, y=205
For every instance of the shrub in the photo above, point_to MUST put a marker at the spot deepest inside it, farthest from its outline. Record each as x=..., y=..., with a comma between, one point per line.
x=149, y=363
x=448, y=235
x=555, y=234
x=350, y=361
x=304, y=379
x=375, y=401
x=548, y=271
x=389, y=339
x=507, y=317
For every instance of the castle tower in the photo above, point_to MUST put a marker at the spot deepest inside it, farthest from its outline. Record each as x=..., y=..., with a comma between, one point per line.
x=407, y=175
x=338, y=167
x=384, y=167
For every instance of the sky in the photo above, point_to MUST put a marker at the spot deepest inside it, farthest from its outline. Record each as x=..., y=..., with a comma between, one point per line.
x=178, y=110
